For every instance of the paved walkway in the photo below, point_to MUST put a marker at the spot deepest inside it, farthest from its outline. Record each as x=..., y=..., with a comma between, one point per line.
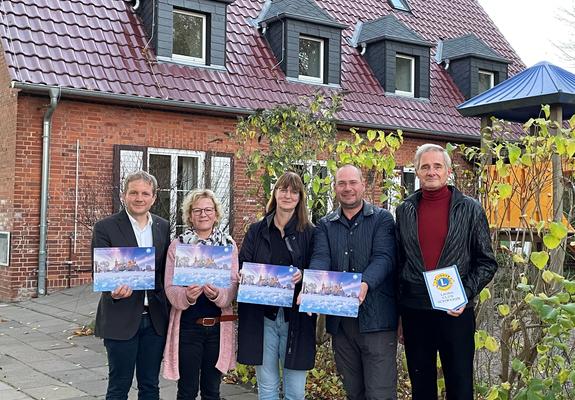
x=41, y=359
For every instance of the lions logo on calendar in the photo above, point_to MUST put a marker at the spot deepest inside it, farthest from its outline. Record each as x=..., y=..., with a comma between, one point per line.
x=443, y=282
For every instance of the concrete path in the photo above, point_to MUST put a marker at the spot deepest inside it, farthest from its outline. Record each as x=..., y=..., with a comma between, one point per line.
x=40, y=358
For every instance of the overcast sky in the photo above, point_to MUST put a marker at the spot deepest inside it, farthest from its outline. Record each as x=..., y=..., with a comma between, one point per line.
x=534, y=28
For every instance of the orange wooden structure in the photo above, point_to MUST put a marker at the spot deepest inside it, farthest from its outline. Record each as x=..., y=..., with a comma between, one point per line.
x=521, y=209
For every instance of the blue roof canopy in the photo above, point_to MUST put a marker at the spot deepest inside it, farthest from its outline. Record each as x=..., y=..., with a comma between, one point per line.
x=520, y=97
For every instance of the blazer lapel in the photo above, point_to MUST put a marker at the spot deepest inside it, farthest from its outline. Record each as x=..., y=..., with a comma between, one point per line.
x=125, y=227
x=157, y=235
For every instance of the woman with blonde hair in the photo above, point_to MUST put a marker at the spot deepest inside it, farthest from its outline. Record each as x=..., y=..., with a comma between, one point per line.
x=201, y=340
x=269, y=336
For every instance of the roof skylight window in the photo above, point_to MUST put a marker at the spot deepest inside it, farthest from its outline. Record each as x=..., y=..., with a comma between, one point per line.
x=399, y=4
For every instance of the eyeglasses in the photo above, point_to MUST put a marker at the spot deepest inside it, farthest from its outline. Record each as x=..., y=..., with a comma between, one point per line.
x=288, y=190
x=208, y=211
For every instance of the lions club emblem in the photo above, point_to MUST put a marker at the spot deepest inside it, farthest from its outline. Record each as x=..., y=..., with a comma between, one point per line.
x=443, y=282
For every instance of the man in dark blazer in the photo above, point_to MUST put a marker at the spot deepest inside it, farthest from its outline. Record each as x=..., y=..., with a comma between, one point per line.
x=133, y=324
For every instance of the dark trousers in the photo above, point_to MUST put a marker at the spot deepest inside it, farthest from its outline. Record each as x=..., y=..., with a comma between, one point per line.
x=143, y=353
x=367, y=361
x=427, y=332
x=198, y=354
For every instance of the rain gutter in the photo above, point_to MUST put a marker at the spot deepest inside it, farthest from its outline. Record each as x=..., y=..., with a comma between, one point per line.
x=54, y=93
x=412, y=132
x=126, y=99
x=173, y=105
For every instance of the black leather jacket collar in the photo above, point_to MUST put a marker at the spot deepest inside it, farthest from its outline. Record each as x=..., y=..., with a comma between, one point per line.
x=456, y=197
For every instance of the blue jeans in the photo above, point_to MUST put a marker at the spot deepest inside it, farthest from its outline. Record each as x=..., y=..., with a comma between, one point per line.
x=268, y=374
x=143, y=353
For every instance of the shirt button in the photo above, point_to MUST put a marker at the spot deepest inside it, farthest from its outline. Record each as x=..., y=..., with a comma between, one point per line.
x=345, y=253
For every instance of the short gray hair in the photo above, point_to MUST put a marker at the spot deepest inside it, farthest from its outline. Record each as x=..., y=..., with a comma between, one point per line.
x=140, y=176
x=424, y=148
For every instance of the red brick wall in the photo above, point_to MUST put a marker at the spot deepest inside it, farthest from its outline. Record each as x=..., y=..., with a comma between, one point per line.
x=8, y=110
x=98, y=128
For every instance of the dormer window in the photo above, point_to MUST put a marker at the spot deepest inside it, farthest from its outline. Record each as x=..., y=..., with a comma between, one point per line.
x=188, y=32
x=311, y=59
x=472, y=64
x=398, y=56
x=399, y=5
x=404, y=75
x=486, y=81
x=189, y=37
x=305, y=40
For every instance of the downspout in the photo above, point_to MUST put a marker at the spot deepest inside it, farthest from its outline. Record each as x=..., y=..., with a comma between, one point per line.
x=46, y=130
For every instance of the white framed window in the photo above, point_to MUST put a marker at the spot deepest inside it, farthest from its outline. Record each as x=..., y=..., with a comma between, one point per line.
x=404, y=75
x=189, y=37
x=177, y=172
x=486, y=81
x=324, y=203
x=4, y=248
x=130, y=161
x=221, y=184
x=311, y=59
x=407, y=180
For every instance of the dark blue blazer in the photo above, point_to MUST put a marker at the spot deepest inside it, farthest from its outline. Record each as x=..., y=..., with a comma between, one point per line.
x=120, y=319
x=367, y=246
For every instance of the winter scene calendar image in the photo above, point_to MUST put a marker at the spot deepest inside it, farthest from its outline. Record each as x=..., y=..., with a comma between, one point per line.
x=116, y=266
x=198, y=264
x=330, y=292
x=266, y=284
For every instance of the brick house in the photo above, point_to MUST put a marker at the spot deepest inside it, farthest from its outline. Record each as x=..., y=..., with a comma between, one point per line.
x=102, y=87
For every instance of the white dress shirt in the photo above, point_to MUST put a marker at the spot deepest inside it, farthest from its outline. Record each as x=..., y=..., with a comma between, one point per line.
x=144, y=238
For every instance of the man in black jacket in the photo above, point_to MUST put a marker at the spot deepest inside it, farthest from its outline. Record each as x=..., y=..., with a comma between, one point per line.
x=440, y=227
x=360, y=237
x=133, y=324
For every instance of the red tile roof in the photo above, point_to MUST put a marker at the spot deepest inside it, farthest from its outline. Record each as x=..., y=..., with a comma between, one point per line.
x=100, y=45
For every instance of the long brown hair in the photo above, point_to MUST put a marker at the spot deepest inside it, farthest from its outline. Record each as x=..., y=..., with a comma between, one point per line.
x=293, y=181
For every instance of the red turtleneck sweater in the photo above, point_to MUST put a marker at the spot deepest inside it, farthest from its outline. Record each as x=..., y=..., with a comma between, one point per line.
x=432, y=224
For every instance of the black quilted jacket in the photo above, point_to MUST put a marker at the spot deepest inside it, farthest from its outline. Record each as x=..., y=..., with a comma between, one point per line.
x=467, y=245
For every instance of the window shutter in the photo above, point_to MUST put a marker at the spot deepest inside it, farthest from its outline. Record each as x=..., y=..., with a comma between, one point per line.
x=219, y=178
x=127, y=159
